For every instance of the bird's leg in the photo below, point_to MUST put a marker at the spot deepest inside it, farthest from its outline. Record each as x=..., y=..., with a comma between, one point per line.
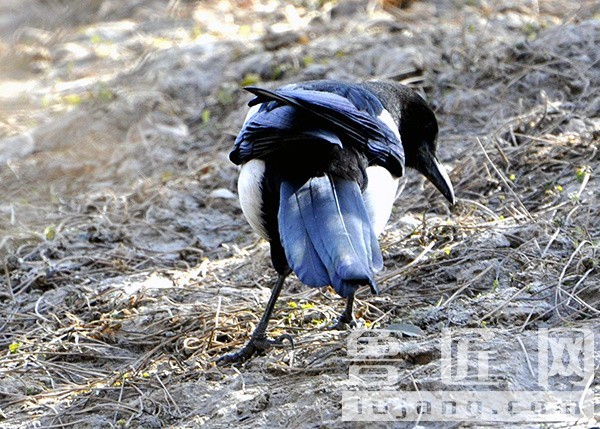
x=346, y=319
x=259, y=342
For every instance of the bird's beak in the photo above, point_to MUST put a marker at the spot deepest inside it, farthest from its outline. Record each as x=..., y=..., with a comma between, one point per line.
x=436, y=173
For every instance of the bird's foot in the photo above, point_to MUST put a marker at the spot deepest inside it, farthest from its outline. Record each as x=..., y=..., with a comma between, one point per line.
x=344, y=322
x=257, y=345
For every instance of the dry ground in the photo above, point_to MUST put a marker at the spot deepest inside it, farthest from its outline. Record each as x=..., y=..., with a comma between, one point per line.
x=127, y=267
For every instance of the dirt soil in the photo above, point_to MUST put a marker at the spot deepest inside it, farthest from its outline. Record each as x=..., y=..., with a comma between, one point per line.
x=128, y=269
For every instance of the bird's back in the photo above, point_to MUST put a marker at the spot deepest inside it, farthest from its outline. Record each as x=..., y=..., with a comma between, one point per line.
x=315, y=144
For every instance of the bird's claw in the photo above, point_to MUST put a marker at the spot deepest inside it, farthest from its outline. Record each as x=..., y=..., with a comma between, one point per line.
x=256, y=345
x=344, y=322
x=278, y=342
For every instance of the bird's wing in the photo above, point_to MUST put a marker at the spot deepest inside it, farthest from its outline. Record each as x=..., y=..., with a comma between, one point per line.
x=338, y=113
x=360, y=96
x=265, y=130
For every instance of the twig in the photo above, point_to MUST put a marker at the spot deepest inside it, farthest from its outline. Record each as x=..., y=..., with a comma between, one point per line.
x=563, y=272
x=400, y=270
x=466, y=285
x=169, y=395
x=501, y=176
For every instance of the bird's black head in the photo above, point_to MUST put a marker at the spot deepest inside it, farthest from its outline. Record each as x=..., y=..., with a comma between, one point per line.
x=418, y=131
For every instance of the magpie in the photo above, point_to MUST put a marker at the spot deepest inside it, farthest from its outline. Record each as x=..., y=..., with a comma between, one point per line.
x=320, y=168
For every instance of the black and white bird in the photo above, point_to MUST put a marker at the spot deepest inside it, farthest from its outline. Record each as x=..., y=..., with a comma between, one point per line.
x=320, y=168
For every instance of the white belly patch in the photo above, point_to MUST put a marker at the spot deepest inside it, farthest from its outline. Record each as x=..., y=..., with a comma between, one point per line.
x=250, y=193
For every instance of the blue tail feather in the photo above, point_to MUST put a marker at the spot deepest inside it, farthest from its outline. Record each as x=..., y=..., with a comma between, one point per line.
x=351, y=202
x=296, y=242
x=327, y=235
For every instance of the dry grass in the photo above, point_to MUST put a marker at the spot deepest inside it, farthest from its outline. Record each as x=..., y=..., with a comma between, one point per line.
x=119, y=293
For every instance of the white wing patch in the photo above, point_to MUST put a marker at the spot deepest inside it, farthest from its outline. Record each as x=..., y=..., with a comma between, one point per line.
x=387, y=119
x=382, y=188
x=250, y=193
x=379, y=196
x=251, y=112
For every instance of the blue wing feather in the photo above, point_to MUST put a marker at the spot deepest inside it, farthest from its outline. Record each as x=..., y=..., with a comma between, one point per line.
x=334, y=113
x=364, y=129
x=361, y=98
x=265, y=132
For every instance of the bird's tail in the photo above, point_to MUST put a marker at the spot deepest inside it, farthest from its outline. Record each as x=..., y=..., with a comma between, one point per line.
x=327, y=235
